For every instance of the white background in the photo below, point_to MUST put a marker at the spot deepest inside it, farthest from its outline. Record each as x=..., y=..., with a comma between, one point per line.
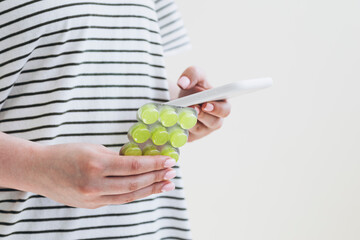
x=286, y=164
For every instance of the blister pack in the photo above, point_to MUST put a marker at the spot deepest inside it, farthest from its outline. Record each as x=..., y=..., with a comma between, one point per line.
x=161, y=130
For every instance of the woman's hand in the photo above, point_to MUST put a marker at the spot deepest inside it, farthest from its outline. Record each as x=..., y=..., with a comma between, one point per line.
x=211, y=114
x=91, y=176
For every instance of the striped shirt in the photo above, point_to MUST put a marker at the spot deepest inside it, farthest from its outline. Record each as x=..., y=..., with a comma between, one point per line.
x=77, y=71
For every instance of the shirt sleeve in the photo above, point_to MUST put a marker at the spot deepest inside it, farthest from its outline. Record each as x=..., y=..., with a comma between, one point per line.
x=173, y=33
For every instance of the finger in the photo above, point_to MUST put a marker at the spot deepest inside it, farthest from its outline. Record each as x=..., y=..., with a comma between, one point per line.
x=199, y=131
x=210, y=121
x=219, y=109
x=154, y=188
x=106, y=150
x=133, y=165
x=192, y=77
x=121, y=185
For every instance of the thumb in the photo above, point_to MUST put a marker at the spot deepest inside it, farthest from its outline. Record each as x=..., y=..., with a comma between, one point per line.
x=192, y=77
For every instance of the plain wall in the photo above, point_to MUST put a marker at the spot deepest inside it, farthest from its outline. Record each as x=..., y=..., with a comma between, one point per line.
x=286, y=164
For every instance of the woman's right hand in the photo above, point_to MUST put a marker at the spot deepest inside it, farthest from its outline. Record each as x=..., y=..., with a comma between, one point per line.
x=91, y=176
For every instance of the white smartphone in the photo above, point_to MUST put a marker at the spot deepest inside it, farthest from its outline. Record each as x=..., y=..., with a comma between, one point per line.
x=223, y=92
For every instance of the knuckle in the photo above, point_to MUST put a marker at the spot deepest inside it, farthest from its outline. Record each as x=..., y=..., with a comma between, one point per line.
x=86, y=189
x=94, y=167
x=195, y=70
x=159, y=163
x=159, y=175
x=133, y=186
x=135, y=165
x=129, y=198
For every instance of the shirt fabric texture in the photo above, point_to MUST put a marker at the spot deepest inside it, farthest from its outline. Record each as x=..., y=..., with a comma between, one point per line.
x=77, y=71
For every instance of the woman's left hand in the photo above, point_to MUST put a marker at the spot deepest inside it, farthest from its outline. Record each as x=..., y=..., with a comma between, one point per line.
x=211, y=114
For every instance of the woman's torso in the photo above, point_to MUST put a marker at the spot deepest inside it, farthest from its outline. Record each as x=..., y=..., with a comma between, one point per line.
x=76, y=71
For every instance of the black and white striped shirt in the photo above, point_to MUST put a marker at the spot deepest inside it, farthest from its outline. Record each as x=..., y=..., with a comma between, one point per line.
x=76, y=71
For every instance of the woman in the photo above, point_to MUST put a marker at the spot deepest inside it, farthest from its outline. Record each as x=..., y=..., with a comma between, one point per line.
x=72, y=75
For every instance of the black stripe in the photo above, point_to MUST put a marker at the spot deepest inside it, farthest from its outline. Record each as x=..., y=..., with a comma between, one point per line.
x=85, y=217
x=68, y=111
x=113, y=145
x=77, y=135
x=91, y=228
x=176, y=238
x=39, y=196
x=89, y=62
x=8, y=190
x=165, y=6
x=15, y=59
x=75, y=52
x=81, y=39
x=138, y=235
x=84, y=86
x=177, y=46
x=72, y=17
x=169, y=23
x=96, y=39
x=8, y=75
x=65, y=207
x=175, y=39
x=173, y=31
x=167, y=15
x=81, y=75
x=69, y=30
x=33, y=208
x=71, y=5
x=2, y=101
x=93, y=50
x=80, y=99
x=152, y=199
x=67, y=123
x=18, y=6
x=20, y=200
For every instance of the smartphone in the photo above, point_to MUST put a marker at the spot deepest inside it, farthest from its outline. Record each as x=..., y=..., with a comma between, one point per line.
x=226, y=91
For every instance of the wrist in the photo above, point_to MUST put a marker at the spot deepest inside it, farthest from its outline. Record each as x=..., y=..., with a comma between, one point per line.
x=32, y=165
x=19, y=159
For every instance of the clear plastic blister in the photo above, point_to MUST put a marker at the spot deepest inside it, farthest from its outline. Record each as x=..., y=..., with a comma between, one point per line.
x=161, y=130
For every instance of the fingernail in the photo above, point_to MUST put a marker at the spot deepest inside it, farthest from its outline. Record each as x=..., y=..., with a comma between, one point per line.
x=184, y=82
x=209, y=107
x=168, y=187
x=169, y=163
x=170, y=175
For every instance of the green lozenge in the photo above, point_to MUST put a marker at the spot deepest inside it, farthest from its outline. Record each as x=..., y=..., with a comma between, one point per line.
x=187, y=118
x=168, y=116
x=150, y=150
x=139, y=133
x=148, y=113
x=170, y=151
x=130, y=149
x=178, y=136
x=159, y=134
